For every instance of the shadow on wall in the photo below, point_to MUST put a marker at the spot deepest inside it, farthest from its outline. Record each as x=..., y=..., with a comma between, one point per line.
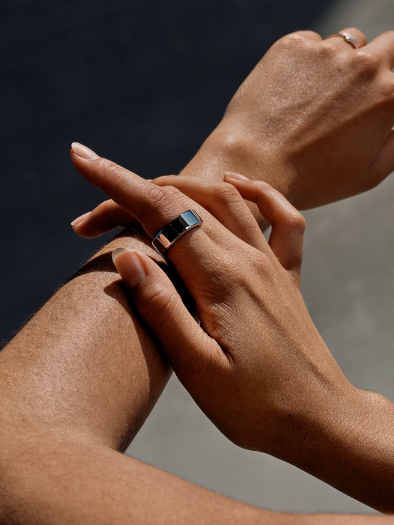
x=141, y=82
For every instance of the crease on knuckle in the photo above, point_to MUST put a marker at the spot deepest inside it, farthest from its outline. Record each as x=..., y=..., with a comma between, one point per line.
x=262, y=264
x=107, y=171
x=291, y=41
x=158, y=306
x=387, y=90
x=297, y=222
x=368, y=63
x=328, y=50
x=226, y=194
x=261, y=186
x=160, y=198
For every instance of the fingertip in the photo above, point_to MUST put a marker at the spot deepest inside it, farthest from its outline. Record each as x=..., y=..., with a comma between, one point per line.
x=80, y=219
x=83, y=152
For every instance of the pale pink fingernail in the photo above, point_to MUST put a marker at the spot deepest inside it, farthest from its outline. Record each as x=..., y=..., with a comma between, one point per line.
x=83, y=151
x=80, y=218
x=233, y=175
x=129, y=266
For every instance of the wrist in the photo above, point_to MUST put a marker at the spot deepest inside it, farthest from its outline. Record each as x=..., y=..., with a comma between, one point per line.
x=233, y=147
x=347, y=443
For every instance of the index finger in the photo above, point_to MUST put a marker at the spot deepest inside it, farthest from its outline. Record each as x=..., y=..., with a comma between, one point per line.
x=155, y=207
x=152, y=206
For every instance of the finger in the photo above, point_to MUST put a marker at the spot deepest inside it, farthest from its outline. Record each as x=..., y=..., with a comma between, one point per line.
x=354, y=32
x=385, y=162
x=152, y=206
x=155, y=207
x=307, y=35
x=288, y=225
x=188, y=347
x=223, y=202
x=105, y=217
x=383, y=47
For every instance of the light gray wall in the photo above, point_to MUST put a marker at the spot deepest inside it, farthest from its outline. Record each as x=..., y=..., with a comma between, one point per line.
x=348, y=285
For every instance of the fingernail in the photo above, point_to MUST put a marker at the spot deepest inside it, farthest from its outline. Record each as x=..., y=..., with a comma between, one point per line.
x=129, y=266
x=80, y=218
x=83, y=152
x=233, y=175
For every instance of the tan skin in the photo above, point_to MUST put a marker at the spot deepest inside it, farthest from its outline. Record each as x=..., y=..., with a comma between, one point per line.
x=258, y=368
x=67, y=407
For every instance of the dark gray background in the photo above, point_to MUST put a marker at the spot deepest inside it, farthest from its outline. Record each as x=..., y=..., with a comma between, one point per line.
x=144, y=83
x=140, y=82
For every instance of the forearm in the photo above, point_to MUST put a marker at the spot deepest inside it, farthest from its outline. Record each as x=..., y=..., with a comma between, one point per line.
x=343, y=436
x=231, y=147
x=68, y=479
x=85, y=360
x=72, y=480
x=84, y=363
x=83, y=366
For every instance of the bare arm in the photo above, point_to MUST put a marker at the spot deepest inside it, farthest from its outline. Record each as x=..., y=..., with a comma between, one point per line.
x=76, y=384
x=80, y=378
x=265, y=377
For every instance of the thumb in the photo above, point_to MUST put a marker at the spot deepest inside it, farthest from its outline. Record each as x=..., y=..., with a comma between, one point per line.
x=187, y=346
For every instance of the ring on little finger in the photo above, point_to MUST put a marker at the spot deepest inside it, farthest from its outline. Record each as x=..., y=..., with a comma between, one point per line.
x=347, y=38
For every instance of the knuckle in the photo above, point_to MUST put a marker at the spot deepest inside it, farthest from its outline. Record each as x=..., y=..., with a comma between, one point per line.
x=291, y=40
x=369, y=63
x=109, y=171
x=162, y=197
x=387, y=34
x=262, y=263
x=225, y=193
x=109, y=167
x=158, y=305
x=387, y=90
x=328, y=51
x=297, y=222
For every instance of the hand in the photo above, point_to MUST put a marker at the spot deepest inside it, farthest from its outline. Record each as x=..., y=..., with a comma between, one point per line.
x=314, y=118
x=257, y=367
x=221, y=200
x=263, y=359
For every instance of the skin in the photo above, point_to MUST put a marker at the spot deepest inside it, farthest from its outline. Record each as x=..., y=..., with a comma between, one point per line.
x=257, y=366
x=314, y=119
x=67, y=408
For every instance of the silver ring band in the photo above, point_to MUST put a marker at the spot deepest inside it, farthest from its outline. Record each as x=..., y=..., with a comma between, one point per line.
x=347, y=38
x=175, y=229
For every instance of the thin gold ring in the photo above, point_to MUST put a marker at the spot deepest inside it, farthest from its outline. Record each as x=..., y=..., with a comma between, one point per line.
x=347, y=38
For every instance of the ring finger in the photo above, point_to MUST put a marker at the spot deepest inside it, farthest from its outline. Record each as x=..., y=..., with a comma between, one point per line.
x=358, y=35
